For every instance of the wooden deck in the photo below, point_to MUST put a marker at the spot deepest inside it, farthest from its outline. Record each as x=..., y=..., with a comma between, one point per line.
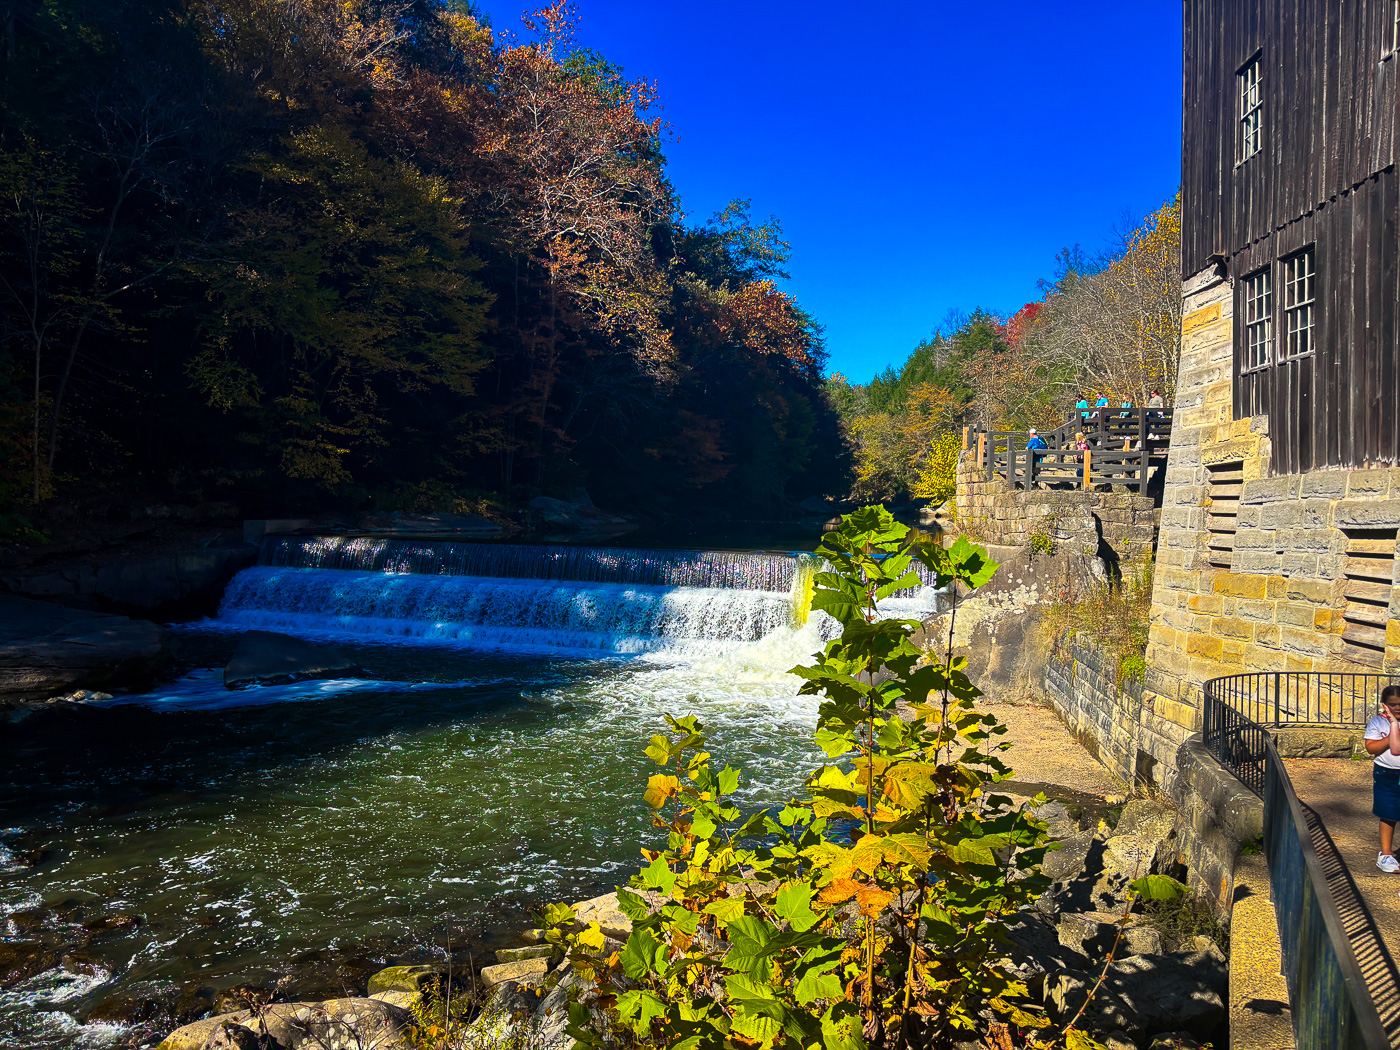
x=1125, y=447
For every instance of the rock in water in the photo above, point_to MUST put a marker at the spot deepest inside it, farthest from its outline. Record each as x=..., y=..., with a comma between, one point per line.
x=47, y=649
x=268, y=658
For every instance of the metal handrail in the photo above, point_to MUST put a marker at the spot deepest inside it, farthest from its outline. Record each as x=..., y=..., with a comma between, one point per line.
x=1332, y=1005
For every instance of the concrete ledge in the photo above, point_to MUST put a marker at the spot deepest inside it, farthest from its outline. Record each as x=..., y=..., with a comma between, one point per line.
x=1216, y=816
x=1260, y=1018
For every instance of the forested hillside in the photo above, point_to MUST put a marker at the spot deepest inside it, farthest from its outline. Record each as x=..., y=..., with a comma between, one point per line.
x=1107, y=325
x=305, y=253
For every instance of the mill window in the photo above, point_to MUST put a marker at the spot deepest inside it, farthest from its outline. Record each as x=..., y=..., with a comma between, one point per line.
x=1394, y=34
x=1251, y=110
x=1299, y=295
x=1258, y=320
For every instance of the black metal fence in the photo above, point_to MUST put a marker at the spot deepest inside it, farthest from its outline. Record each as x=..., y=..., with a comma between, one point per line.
x=1328, y=994
x=1332, y=1004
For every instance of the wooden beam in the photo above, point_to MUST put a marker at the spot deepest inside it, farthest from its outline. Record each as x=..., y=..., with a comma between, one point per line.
x=1088, y=456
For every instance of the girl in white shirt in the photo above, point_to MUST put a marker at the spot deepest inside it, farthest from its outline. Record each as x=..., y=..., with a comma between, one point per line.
x=1383, y=741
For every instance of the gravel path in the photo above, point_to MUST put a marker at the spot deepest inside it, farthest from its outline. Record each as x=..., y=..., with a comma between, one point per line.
x=1045, y=752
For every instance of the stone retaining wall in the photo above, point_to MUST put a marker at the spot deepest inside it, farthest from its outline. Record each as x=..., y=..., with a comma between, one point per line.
x=1112, y=718
x=1117, y=527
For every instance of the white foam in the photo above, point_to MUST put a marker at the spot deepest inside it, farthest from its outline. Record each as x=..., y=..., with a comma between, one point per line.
x=205, y=690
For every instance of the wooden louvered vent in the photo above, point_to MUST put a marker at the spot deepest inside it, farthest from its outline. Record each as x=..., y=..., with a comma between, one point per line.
x=1226, y=481
x=1370, y=575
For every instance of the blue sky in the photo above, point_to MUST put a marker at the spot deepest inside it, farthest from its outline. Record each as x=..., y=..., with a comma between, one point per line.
x=921, y=157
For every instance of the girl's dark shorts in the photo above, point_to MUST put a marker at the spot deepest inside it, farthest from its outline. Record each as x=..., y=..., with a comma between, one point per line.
x=1385, y=789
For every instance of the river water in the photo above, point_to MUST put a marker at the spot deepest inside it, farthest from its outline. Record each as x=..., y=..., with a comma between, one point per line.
x=486, y=757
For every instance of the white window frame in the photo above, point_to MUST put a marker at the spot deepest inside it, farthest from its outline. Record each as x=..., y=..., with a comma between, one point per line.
x=1258, y=320
x=1299, y=304
x=1394, y=42
x=1250, y=94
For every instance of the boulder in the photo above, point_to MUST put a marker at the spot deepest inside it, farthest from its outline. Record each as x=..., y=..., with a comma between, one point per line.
x=268, y=658
x=552, y=1016
x=504, y=1020
x=1094, y=934
x=552, y=952
x=1035, y=950
x=605, y=912
x=21, y=960
x=1066, y=992
x=411, y=979
x=525, y=972
x=1146, y=995
x=361, y=1024
x=47, y=649
x=1078, y=854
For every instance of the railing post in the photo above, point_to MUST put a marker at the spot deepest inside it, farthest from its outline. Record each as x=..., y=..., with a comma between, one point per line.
x=1030, y=468
x=965, y=429
x=1142, y=467
x=982, y=448
x=1088, y=458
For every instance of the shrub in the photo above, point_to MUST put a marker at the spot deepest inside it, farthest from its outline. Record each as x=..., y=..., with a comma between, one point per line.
x=868, y=913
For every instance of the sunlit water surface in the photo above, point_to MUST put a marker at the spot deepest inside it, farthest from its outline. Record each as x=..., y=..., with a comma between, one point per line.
x=251, y=831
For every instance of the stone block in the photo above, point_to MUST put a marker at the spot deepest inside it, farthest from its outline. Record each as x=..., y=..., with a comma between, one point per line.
x=1380, y=514
x=1292, y=614
x=525, y=971
x=1324, y=484
x=1258, y=562
x=1374, y=484
x=1269, y=636
x=1269, y=490
x=1204, y=603
x=1320, y=592
x=1240, y=586
x=1299, y=564
x=1231, y=627
x=1209, y=648
x=1304, y=643
x=1259, y=612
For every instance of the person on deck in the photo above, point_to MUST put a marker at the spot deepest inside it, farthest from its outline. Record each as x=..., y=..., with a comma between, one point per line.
x=1383, y=741
x=1080, y=444
x=1083, y=407
x=1154, y=400
x=1036, y=441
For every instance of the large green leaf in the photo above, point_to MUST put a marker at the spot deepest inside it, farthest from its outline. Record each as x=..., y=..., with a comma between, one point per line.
x=794, y=904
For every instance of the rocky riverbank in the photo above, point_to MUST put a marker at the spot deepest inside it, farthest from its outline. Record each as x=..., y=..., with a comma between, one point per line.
x=1163, y=988
x=47, y=651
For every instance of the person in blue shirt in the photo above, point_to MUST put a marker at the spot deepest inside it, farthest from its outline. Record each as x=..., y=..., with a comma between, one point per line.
x=1083, y=407
x=1036, y=442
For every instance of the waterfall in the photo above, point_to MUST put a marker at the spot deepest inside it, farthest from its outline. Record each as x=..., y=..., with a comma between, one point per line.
x=584, y=600
x=530, y=615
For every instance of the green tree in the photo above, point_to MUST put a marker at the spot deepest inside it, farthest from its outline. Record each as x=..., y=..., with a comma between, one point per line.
x=346, y=300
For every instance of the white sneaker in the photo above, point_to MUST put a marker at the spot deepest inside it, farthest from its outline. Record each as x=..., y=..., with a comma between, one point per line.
x=1387, y=863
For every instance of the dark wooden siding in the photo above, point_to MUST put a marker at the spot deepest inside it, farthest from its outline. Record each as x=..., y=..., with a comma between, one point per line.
x=1329, y=114
x=1325, y=177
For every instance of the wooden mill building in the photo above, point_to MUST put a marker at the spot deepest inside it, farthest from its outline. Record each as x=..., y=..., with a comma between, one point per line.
x=1276, y=548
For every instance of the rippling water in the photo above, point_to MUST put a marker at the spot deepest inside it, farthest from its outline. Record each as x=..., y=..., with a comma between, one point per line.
x=483, y=763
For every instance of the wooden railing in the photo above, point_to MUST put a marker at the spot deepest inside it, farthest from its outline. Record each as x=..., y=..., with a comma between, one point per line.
x=1125, y=444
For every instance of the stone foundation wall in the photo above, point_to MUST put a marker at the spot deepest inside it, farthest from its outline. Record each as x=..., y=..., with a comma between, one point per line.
x=1109, y=715
x=1252, y=570
x=1116, y=527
